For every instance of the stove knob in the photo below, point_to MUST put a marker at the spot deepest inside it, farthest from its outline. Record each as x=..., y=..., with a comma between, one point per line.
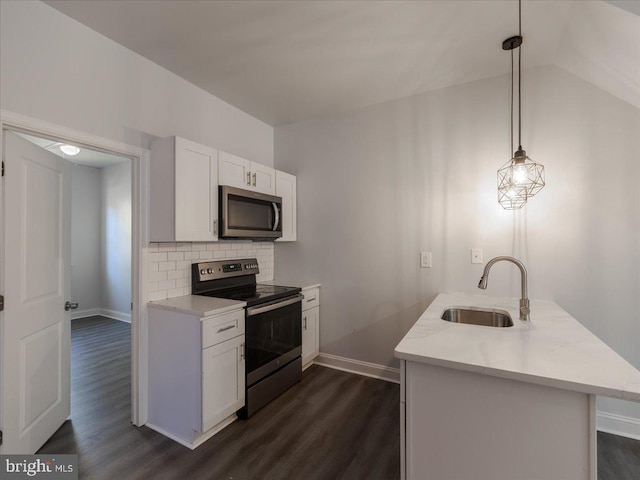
x=209, y=270
x=203, y=271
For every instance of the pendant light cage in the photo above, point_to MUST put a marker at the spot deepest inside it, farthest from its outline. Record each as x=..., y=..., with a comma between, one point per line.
x=518, y=180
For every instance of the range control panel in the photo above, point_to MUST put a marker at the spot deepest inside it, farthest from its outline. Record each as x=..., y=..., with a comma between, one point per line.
x=223, y=269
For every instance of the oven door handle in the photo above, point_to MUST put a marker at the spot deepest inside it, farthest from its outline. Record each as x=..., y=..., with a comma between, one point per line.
x=273, y=306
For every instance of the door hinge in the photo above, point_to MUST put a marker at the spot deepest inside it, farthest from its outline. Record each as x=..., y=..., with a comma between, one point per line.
x=1, y=305
x=3, y=168
x=0, y=437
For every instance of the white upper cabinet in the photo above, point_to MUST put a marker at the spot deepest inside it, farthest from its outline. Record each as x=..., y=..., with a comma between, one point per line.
x=286, y=188
x=234, y=171
x=242, y=173
x=183, y=191
x=263, y=179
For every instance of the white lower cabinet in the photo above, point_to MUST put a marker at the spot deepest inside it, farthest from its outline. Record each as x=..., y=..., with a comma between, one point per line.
x=196, y=373
x=222, y=381
x=310, y=324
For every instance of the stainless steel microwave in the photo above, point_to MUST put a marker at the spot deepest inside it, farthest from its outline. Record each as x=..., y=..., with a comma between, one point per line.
x=247, y=214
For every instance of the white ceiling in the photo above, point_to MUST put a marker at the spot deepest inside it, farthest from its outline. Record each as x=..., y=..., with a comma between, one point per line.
x=289, y=61
x=87, y=156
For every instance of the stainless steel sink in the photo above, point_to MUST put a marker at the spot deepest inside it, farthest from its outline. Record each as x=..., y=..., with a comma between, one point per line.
x=477, y=316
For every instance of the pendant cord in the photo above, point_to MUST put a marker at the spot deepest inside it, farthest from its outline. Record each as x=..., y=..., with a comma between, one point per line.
x=511, y=111
x=519, y=77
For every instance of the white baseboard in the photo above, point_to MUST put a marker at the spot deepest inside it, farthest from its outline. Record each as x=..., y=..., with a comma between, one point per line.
x=199, y=438
x=618, y=425
x=90, y=312
x=123, y=317
x=358, y=367
x=105, y=312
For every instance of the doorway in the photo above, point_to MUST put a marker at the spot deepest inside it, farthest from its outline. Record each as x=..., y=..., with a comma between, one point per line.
x=121, y=297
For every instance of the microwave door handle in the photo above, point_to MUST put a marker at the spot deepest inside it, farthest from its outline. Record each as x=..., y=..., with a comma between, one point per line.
x=277, y=210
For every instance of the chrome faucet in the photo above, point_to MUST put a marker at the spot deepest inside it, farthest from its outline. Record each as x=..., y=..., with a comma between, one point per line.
x=524, y=299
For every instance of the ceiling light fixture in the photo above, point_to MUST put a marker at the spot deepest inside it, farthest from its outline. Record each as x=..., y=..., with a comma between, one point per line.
x=69, y=150
x=521, y=177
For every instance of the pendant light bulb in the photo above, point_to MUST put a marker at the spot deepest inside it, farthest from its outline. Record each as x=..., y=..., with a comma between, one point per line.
x=519, y=174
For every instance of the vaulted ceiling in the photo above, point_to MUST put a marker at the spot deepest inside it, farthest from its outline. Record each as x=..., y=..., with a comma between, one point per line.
x=289, y=61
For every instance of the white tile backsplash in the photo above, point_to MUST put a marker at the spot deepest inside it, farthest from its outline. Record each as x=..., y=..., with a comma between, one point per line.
x=169, y=264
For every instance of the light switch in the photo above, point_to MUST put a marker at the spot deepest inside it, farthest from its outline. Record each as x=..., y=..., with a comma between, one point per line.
x=425, y=259
x=476, y=255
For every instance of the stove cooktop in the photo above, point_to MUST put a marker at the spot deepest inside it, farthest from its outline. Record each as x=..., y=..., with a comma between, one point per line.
x=254, y=294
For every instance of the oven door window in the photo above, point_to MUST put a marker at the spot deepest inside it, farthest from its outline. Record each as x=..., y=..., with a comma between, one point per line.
x=272, y=334
x=250, y=214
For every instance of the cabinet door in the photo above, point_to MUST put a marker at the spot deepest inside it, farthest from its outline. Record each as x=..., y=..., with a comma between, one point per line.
x=310, y=337
x=234, y=171
x=196, y=187
x=286, y=188
x=222, y=381
x=263, y=179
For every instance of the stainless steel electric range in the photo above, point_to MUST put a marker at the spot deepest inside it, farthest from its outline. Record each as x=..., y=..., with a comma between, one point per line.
x=273, y=330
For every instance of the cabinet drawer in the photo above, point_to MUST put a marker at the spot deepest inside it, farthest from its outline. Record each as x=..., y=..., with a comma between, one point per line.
x=223, y=327
x=311, y=298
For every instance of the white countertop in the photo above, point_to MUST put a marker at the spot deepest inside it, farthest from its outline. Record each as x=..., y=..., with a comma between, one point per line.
x=198, y=305
x=553, y=349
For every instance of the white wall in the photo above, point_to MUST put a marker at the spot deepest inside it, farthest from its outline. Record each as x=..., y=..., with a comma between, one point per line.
x=56, y=69
x=379, y=185
x=86, y=213
x=116, y=238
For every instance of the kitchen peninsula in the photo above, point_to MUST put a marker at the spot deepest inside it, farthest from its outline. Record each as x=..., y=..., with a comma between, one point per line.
x=504, y=403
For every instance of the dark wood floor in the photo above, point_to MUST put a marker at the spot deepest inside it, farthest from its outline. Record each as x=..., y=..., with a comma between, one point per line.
x=332, y=425
x=618, y=457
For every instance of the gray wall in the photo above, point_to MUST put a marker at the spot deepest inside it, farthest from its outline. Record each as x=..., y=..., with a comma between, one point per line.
x=86, y=228
x=101, y=238
x=378, y=185
x=116, y=238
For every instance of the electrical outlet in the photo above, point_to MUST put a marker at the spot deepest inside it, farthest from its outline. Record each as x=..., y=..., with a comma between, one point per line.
x=425, y=259
x=476, y=255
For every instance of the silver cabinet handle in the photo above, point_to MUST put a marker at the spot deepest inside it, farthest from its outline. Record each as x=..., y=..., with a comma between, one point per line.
x=305, y=322
x=312, y=299
x=249, y=178
x=226, y=328
x=242, y=353
x=254, y=179
x=215, y=227
x=70, y=305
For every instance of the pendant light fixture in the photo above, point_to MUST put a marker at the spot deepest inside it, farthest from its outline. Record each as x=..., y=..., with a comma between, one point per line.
x=520, y=178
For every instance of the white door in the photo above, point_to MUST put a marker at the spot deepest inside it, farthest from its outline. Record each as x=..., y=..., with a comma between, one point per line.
x=35, y=390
